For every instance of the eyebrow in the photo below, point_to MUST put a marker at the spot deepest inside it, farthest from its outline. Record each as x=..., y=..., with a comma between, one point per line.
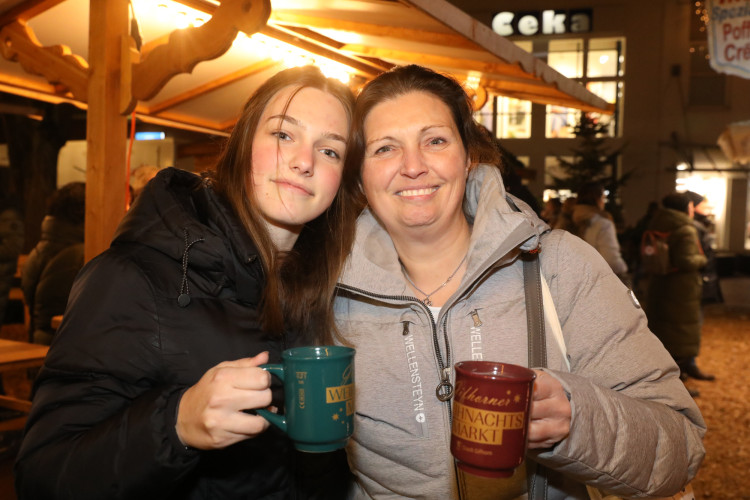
x=422, y=130
x=328, y=135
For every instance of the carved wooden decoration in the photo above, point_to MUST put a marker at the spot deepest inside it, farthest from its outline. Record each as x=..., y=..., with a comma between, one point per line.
x=478, y=97
x=67, y=71
x=189, y=46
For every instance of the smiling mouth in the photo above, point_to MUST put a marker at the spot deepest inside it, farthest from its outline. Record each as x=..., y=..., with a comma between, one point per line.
x=417, y=192
x=293, y=187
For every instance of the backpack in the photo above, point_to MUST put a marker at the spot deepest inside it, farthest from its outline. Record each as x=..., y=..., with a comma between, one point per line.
x=655, y=252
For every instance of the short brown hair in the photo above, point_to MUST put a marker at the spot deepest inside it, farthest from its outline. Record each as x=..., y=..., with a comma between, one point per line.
x=401, y=80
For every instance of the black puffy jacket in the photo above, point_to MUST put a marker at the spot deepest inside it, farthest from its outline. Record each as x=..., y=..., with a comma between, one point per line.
x=174, y=295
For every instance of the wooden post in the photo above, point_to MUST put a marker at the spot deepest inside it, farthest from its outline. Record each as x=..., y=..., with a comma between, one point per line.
x=106, y=128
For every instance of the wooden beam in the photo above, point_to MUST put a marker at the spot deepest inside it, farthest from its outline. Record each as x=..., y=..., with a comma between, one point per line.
x=485, y=67
x=329, y=44
x=556, y=97
x=189, y=46
x=281, y=34
x=26, y=10
x=307, y=40
x=213, y=85
x=408, y=34
x=106, y=128
x=56, y=64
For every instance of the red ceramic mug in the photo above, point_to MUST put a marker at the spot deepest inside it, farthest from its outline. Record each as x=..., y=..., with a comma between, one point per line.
x=491, y=417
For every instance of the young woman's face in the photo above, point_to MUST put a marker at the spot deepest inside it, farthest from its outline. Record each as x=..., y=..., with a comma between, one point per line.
x=415, y=167
x=298, y=156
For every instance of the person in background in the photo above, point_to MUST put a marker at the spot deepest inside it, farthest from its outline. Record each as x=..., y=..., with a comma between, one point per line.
x=633, y=238
x=673, y=304
x=551, y=211
x=704, y=225
x=435, y=277
x=590, y=223
x=139, y=178
x=147, y=388
x=11, y=246
x=54, y=262
x=565, y=217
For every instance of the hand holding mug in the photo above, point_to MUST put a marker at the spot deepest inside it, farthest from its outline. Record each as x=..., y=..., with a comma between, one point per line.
x=318, y=397
x=490, y=417
x=550, y=412
x=210, y=414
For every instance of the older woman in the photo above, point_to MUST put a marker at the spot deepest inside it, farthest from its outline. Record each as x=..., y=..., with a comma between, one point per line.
x=435, y=277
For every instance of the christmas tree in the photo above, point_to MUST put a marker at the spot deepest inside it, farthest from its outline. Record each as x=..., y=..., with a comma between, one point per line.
x=592, y=161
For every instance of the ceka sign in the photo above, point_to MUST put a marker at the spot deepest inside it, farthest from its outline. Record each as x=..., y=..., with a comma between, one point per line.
x=729, y=36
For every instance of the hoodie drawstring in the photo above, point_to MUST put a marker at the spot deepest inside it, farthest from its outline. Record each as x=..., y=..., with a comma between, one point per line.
x=184, y=298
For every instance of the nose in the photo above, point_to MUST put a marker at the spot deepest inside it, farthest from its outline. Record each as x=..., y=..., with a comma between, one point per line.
x=302, y=161
x=413, y=163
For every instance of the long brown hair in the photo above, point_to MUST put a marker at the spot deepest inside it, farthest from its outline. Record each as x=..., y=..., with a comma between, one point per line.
x=477, y=141
x=298, y=294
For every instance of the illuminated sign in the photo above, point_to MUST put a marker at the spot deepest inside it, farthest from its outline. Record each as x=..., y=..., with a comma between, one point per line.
x=545, y=22
x=729, y=36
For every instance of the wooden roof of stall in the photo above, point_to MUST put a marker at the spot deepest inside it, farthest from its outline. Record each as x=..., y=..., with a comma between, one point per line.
x=82, y=51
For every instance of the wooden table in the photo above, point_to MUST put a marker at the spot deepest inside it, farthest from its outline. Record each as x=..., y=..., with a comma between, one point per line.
x=56, y=321
x=18, y=356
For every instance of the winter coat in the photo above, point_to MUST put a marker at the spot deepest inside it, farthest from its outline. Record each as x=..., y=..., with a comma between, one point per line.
x=624, y=388
x=599, y=232
x=11, y=245
x=709, y=273
x=175, y=294
x=674, y=299
x=49, y=272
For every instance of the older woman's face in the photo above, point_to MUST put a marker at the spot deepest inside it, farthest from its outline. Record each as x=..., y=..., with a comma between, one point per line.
x=415, y=166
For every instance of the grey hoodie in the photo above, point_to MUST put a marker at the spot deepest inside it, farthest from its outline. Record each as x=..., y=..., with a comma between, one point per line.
x=635, y=430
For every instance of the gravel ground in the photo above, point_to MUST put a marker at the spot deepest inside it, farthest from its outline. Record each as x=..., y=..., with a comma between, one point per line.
x=725, y=403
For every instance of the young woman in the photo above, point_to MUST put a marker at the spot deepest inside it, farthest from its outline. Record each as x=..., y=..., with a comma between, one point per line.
x=146, y=390
x=435, y=277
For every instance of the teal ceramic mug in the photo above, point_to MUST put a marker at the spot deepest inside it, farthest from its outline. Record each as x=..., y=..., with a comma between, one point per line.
x=318, y=396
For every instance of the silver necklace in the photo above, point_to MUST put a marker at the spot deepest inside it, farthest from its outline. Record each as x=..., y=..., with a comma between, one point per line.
x=426, y=300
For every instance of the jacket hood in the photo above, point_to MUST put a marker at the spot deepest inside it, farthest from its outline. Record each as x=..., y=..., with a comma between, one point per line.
x=667, y=219
x=515, y=228
x=179, y=214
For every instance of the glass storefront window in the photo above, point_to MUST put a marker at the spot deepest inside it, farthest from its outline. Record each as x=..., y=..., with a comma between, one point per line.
x=605, y=58
x=485, y=115
x=513, y=119
x=566, y=56
x=610, y=91
x=561, y=121
x=525, y=45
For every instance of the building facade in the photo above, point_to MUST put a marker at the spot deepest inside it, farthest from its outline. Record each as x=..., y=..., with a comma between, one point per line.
x=649, y=58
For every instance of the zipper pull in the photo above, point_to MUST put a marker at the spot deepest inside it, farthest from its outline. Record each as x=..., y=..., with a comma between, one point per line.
x=475, y=317
x=444, y=390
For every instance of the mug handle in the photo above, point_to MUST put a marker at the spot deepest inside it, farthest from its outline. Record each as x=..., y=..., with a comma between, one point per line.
x=274, y=418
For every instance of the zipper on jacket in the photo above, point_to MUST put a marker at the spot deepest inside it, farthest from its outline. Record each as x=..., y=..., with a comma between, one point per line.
x=444, y=390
